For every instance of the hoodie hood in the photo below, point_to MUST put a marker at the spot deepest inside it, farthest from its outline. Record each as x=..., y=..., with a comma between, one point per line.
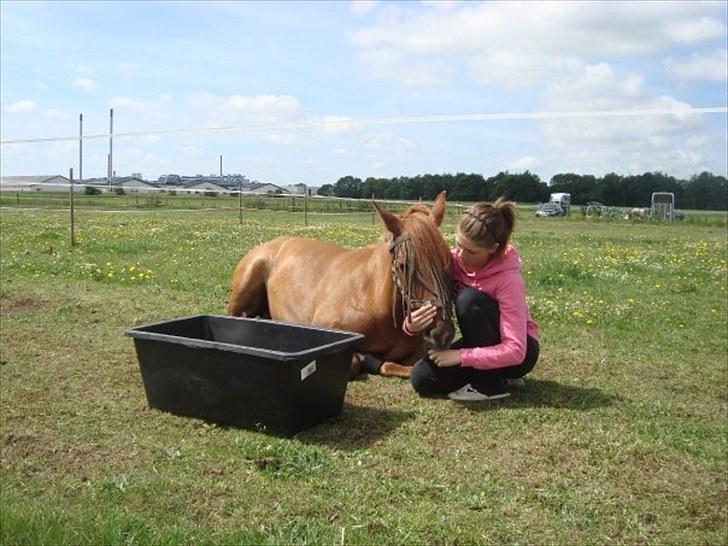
x=509, y=262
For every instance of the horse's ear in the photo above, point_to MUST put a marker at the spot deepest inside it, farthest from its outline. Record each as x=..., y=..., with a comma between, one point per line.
x=391, y=221
x=438, y=210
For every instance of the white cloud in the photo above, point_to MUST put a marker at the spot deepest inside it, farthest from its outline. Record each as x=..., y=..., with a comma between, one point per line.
x=711, y=66
x=189, y=149
x=126, y=67
x=128, y=103
x=520, y=69
x=525, y=163
x=390, y=142
x=286, y=139
x=339, y=124
x=84, y=84
x=503, y=41
x=21, y=107
x=239, y=109
x=549, y=27
x=84, y=69
x=55, y=113
x=442, y=5
x=624, y=144
x=384, y=64
x=263, y=104
x=362, y=7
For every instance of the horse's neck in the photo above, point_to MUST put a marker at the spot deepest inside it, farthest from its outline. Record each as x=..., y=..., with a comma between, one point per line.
x=389, y=296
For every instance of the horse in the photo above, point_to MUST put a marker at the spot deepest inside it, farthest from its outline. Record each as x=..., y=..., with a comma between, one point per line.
x=640, y=213
x=369, y=290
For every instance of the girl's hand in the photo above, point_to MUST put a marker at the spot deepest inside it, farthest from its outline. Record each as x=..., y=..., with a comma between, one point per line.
x=420, y=319
x=445, y=359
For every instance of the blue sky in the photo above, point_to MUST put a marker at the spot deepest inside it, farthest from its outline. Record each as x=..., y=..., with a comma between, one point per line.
x=316, y=91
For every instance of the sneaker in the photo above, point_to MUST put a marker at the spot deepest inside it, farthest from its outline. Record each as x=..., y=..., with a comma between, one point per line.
x=516, y=382
x=468, y=393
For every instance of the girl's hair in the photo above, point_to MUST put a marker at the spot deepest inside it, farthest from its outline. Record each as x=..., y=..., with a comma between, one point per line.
x=486, y=224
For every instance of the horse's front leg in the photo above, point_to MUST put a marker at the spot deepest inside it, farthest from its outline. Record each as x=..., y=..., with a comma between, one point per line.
x=392, y=369
x=377, y=366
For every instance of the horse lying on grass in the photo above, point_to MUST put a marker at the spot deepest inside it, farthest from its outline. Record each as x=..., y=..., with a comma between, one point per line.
x=368, y=290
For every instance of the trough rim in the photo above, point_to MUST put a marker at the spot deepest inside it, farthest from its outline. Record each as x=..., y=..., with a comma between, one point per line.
x=342, y=344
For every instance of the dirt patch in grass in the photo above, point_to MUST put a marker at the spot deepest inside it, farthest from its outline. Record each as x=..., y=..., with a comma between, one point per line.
x=16, y=304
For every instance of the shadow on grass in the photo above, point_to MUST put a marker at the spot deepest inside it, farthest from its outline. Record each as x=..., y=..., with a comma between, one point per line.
x=550, y=394
x=357, y=427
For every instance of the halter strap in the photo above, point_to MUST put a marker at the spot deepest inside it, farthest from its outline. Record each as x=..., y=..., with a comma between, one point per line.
x=405, y=272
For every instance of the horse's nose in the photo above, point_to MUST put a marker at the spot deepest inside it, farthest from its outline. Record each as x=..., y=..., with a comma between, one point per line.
x=440, y=336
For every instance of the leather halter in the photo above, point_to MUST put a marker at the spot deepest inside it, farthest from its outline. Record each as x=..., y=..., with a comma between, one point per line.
x=405, y=272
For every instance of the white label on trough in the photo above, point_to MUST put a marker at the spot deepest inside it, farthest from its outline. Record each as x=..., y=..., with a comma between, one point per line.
x=308, y=369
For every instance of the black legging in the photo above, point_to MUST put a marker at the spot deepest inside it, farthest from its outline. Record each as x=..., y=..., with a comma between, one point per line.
x=479, y=319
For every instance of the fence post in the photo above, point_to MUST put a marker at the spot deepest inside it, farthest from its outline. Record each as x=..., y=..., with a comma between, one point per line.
x=240, y=201
x=305, y=205
x=73, y=229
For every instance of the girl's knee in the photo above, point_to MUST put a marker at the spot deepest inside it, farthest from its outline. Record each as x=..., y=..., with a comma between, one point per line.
x=470, y=300
x=421, y=378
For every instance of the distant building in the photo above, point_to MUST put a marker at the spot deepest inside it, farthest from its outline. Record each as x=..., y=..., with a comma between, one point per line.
x=52, y=182
x=132, y=184
x=226, y=181
x=297, y=189
x=302, y=189
x=263, y=187
x=205, y=185
x=166, y=182
x=169, y=180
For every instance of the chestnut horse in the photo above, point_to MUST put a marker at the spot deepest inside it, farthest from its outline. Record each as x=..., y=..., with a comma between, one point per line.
x=367, y=290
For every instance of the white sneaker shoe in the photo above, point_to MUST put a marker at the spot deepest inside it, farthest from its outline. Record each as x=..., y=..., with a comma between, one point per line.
x=468, y=393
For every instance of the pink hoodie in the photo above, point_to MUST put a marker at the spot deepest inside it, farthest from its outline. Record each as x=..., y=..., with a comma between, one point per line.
x=501, y=280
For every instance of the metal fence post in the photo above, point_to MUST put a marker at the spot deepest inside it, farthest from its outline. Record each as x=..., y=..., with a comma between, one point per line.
x=73, y=228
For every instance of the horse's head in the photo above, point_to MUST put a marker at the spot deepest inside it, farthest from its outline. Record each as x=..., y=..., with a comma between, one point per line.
x=421, y=269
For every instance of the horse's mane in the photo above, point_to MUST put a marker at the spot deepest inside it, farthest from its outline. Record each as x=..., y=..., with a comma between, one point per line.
x=430, y=246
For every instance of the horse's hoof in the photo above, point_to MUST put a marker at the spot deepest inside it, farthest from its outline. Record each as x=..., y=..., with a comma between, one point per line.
x=372, y=364
x=355, y=368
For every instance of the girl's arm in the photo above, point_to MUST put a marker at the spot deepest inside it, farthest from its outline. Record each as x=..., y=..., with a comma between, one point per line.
x=511, y=350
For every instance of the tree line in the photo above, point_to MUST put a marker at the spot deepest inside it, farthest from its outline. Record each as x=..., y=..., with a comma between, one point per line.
x=705, y=191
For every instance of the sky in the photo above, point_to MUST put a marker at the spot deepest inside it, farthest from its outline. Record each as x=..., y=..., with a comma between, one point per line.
x=308, y=92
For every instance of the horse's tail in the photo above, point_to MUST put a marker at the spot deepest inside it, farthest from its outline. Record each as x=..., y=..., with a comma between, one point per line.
x=248, y=296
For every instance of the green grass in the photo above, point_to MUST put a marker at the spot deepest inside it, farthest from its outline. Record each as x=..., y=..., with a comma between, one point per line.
x=620, y=435
x=181, y=200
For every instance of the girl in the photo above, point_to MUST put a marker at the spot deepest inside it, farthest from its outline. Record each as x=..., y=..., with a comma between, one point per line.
x=499, y=338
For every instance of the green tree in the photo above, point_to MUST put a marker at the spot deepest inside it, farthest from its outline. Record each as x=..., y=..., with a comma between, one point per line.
x=582, y=188
x=326, y=189
x=707, y=191
x=348, y=186
x=525, y=187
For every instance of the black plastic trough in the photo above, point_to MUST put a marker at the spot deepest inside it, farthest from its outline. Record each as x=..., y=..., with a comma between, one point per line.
x=260, y=374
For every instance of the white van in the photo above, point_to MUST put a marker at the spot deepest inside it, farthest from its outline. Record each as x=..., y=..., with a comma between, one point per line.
x=563, y=200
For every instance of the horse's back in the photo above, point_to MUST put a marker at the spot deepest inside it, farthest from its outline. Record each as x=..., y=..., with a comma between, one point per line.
x=284, y=277
x=319, y=283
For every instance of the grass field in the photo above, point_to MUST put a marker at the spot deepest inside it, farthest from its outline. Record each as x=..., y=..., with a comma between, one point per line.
x=620, y=435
